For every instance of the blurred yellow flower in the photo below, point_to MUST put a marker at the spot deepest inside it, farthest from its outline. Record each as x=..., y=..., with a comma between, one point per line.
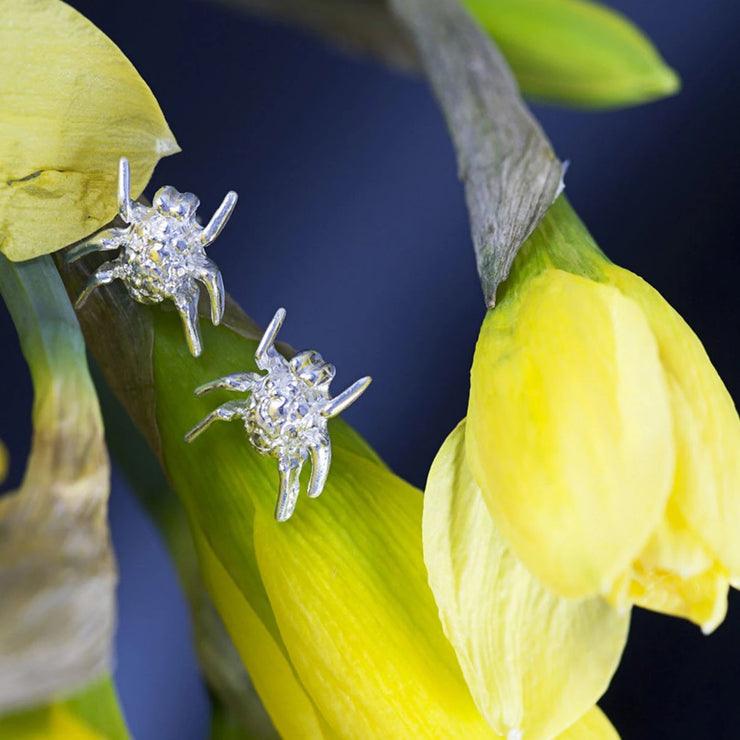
x=605, y=444
x=4, y=461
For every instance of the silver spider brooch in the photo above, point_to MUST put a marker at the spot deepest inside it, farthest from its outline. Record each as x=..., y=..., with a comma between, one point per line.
x=163, y=253
x=286, y=413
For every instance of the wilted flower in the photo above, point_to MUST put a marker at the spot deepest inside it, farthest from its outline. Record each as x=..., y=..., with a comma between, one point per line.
x=605, y=444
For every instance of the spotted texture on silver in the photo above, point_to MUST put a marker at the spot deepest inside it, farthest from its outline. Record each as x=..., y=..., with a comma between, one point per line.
x=286, y=413
x=162, y=253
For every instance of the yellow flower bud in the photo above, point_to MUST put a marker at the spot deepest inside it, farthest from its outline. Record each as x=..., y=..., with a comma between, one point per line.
x=605, y=444
x=576, y=52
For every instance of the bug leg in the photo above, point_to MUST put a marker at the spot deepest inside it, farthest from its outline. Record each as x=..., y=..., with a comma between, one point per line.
x=101, y=242
x=219, y=219
x=240, y=382
x=290, y=486
x=125, y=205
x=106, y=273
x=265, y=349
x=210, y=276
x=320, y=462
x=225, y=412
x=186, y=303
x=347, y=397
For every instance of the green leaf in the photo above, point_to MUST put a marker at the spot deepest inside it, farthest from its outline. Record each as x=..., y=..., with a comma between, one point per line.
x=576, y=52
x=72, y=105
x=57, y=574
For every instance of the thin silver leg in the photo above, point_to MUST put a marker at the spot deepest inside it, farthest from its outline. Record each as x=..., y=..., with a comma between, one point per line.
x=105, y=274
x=347, y=397
x=225, y=412
x=240, y=382
x=265, y=346
x=187, y=307
x=320, y=463
x=105, y=241
x=290, y=484
x=125, y=206
x=219, y=219
x=210, y=276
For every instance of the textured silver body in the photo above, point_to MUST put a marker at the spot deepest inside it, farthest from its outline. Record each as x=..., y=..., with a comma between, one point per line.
x=162, y=253
x=286, y=414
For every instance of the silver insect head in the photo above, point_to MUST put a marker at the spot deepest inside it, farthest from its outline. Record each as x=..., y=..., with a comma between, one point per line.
x=163, y=253
x=286, y=413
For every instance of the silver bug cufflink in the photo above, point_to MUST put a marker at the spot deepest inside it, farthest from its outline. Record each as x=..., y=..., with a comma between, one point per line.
x=162, y=253
x=286, y=413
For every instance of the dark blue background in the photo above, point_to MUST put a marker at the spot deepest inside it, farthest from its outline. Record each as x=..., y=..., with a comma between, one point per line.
x=351, y=216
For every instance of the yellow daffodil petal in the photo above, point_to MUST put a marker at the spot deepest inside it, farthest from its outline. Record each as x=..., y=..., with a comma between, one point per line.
x=534, y=661
x=707, y=484
x=347, y=583
x=677, y=574
x=72, y=104
x=594, y=725
x=262, y=654
x=570, y=434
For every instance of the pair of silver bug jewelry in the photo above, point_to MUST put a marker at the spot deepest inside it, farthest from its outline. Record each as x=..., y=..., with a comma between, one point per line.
x=163, y=257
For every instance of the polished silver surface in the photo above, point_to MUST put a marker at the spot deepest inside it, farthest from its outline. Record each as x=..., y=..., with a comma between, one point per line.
x=162, y=253
x=286, y=413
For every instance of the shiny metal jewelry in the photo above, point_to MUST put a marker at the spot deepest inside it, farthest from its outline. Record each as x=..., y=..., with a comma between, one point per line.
x=286, y=414
x=163, y=253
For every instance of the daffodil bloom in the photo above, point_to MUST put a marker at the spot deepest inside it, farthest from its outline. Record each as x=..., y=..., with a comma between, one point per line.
x=332, y=612
x=603, y=440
